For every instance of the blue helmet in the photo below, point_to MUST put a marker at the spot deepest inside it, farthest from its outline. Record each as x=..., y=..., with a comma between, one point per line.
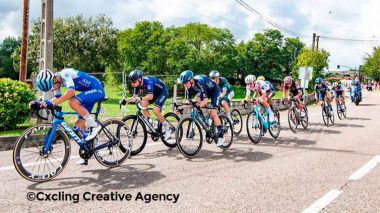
x=318, y=81
x=185, y=76
x=135, y=75
x=45, y=80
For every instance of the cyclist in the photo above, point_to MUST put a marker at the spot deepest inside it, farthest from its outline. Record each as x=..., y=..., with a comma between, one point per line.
x=226, y=91
x=295, y=91
x=204, y=88
x=156, y=93
x=260, y=88
x=356, y=88
x=90, y=87
x=322, y=91
x=338, y=92
x=272, y=93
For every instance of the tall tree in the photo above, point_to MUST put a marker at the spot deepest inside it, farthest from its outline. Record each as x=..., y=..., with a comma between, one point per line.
x=7, y=47
x=372, y=64
x=318, y=59
x=85, y=44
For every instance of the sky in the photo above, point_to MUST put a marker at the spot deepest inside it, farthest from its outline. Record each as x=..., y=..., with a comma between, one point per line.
x=358, y=19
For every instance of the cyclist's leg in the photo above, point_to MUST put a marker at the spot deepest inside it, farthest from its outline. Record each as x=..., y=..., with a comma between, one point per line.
x=336, y=95
x=159, y=103
x=87, y=100
x=226, y=103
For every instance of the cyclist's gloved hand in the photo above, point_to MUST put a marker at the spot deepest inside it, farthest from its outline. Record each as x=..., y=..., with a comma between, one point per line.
x=48, y=104
x=198, y=107
x=123, y=102
x=36, y=105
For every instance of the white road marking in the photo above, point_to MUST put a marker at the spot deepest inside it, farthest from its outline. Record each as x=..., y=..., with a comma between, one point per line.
x=323, y=201
x=366, y=168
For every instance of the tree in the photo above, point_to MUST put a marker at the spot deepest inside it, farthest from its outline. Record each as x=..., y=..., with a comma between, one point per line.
x=7, y=47
x=318, y=59
x=372, y=64
x=84, y=44
x=291, y=50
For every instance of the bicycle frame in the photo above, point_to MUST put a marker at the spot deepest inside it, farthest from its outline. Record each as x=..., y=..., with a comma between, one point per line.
x=140, y=116
x=257, y=107
x=59, y=122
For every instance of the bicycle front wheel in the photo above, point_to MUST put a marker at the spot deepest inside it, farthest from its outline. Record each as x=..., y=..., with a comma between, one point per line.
x=139, y=133
x=293, y=119
x=305, y=119
x=28, y=157
x=119, y=139
x=325, y=115
x=189, y=137
x=254, y=128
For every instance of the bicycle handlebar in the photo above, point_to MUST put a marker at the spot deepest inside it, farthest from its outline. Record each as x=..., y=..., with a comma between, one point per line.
x=52, y=109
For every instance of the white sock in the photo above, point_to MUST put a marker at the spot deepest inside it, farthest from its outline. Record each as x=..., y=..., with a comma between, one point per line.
x=90, y=120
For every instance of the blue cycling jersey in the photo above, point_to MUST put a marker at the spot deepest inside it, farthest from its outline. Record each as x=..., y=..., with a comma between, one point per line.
x=78, y=81
x=152, y=85
x=323, y=89
x=204, y=87
x=270, y=85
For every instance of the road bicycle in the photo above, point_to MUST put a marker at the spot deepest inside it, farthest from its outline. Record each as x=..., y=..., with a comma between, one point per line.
x=327, y=113
x=140, y=128
x=341, y=109
x=42, y=151
x=236, y=119
x=295, y=117
x=258, y=123
x=189, y=130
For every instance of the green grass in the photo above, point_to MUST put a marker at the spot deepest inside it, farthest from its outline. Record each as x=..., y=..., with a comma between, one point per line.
x=19, y=129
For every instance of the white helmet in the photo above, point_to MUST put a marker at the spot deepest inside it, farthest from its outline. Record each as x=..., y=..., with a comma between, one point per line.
x=335, y=84
x=214, y=74
x=249, y=79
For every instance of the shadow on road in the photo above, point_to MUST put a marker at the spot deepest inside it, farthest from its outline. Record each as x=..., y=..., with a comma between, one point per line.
x=235, y=154
x=123, y=177
x=358, y=119
x=368, y=104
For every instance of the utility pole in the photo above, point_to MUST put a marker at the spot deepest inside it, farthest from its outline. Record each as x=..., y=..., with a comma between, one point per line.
x=313, y=44
x=46, y=42
x=317, y=42
x=24, y=41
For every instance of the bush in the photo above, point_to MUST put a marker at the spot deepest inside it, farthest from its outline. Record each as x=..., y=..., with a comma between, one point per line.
x=14, y=99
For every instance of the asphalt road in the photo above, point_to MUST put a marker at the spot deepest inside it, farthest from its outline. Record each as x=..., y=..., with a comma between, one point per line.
x=320, y=168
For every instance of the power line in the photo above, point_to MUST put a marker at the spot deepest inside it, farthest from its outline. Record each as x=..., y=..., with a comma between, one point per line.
x=269, y=21
x=349, y=39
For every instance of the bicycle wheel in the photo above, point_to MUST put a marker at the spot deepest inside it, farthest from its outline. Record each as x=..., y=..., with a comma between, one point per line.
x=254, y=128
x=237, y=121
x=339, y=111
x=331, y=116
x=325, y=115
x=189, y=137
x=305, y=119
x=344, y=111
x=276, y=111
x=293, y=119
x=28, y=157
x=275, y=126
x=139, y=134
x=172, y=119
x=114, y=154
x=228, y=132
